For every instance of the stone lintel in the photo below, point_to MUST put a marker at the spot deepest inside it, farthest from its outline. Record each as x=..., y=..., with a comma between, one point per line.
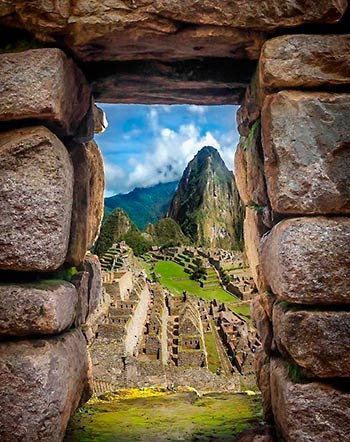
x=205, y=82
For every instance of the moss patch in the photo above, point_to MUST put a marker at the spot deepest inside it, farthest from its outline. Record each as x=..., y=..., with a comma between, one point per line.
x=167, y=417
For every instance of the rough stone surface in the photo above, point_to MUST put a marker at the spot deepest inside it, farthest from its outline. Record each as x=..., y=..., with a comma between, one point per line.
x=42, y=382
x=306, y=142
x=254, y=229
x=91, y=264
x=208, y=81
x=307, y=260
x=267, y=300
x=249, y=111
x=43, y=85
x=263, y=325
x=162, y=28
x=41, y=308
x=36, y=181
x=309, y=412
x=249, y=168
x=81, y=283
x=262, y=371
x=78, y=241
x=318, y=341
x=100, y=120
x=88, y=202
x=96, y=193
x=307, y=61
x=134, y=42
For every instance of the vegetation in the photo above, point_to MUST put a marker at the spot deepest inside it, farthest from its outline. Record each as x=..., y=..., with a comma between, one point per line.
x=143, y=205
x=241, y=308
x=137, y=242
x=214, y=363
x=252, y=135
x=199, y=272
x=167, y=233
x=165, y=417
x=113, y=230
x=294, y=371
x=207, y=201
x=118, y=227
x=174, y=277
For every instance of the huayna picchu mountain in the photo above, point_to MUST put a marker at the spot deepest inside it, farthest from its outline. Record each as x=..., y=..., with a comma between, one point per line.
x=207, y=205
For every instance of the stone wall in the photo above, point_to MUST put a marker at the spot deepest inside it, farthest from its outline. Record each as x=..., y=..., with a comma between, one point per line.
x=135, y=326
x=292, y=169
x=51, y=203
x=293, y=172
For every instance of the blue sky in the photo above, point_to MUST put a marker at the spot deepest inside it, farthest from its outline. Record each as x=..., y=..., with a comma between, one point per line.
x=144, y=145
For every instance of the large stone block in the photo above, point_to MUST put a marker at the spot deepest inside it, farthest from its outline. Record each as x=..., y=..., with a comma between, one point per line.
x=307, y=260
x=43, y=85
x=97, y=187
x=41, y=308
x=249, y=168
x=262, y=371
x=306, y=141
x=254, y=229
x=100, y=120
x=309, y=412
x=91, y=264
x=88, y=200
x=81, y=283
x=36, y=192
x=262, y=324
x=207, y=82
x=318, y=341
x=156, y=29
x=307, y=61
x=249, y=111
x=42, y=383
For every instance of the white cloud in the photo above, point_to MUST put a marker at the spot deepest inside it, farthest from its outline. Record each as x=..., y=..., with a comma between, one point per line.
x=195, y=109
x=171, y=152
x=165, y=150
x=114, y=174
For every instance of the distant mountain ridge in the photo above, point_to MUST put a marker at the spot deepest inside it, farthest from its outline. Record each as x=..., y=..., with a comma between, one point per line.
x=207, y=205
x=143, y=205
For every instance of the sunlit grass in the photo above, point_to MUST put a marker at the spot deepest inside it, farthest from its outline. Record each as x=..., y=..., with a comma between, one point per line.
x=174, y=277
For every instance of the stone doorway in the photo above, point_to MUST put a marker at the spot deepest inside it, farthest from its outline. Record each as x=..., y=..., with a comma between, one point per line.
x=163, y=52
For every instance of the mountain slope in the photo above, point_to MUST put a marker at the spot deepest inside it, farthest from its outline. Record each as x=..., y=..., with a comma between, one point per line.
x=206, y=204
x=143, y=205
x=115, y=228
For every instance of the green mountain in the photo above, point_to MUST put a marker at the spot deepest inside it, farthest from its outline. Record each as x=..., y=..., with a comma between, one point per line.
x=114, y=229
x=118, y=227
x=143, y=205
x=166, y=233
x=206, y=204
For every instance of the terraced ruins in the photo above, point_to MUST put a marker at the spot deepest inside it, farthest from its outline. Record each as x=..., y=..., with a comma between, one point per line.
x=190, y=333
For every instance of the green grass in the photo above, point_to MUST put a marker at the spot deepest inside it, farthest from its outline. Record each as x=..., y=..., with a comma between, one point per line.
x=240, y=309
x=146, y=265
x=213, y=356
x=172, y=417
x=173, y=277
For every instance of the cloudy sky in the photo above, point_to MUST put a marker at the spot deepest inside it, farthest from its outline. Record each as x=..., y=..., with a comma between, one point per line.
x=145, y=145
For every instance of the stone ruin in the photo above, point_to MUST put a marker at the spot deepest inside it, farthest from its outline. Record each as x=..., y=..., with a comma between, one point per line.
x=170, y=334
x=286, y=63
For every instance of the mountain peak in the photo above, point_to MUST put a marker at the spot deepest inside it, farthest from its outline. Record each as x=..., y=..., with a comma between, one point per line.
x=206, y=204
x=208, y=150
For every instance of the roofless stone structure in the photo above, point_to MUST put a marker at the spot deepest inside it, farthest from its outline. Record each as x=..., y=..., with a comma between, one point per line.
x=287, y=63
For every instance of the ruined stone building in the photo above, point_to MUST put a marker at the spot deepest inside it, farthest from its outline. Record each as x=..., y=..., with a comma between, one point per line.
x=286, y=63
